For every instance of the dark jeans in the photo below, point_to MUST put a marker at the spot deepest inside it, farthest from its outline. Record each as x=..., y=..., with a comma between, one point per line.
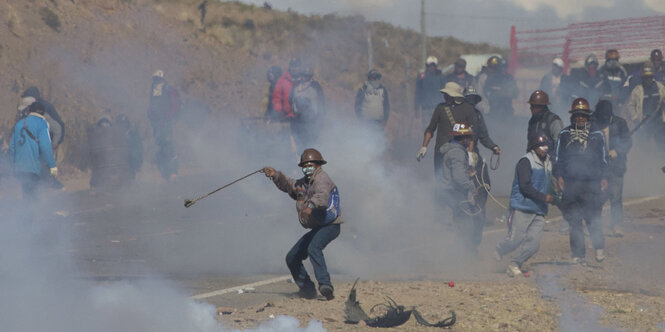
x=582, y=200
x=165, y=156
x=311, y=244
x=469, y=229
x=29, y=182
x=615, y=193
x=306, y=133
x=29, y=185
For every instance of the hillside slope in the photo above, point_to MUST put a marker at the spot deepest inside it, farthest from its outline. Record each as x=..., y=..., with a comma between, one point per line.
x=87, y=56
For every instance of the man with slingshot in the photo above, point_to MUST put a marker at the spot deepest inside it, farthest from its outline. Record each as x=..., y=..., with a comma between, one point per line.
x=317, y=203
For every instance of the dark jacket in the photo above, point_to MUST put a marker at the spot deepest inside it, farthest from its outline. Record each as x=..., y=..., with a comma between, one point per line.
x=428, y=89
x=573, y=161
x=583, y=85
x=545, y=123
x=500, y=89
x=481, y=132
x=465, y=81
x=164, y=103
x=56, y=126
x=619, y=141
x=319, y=193
x=109, y=157
x=440, y=122
x=614, y=81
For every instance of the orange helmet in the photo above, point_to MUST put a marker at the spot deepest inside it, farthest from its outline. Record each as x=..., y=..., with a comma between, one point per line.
x=461, y=129
x=580, y=106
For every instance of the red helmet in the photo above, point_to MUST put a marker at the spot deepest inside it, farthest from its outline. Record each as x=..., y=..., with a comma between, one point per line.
x=461, y=129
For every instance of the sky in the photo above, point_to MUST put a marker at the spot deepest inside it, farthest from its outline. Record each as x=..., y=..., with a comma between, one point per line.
x=477, y=20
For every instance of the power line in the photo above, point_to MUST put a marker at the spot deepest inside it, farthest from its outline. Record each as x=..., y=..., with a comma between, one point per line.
x=487, y=17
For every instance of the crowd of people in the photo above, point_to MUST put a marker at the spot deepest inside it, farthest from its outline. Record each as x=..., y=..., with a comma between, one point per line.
x=576, y=167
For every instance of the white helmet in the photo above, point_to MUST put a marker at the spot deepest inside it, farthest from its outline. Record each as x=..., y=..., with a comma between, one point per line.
x=158, y=73
x=431, y=60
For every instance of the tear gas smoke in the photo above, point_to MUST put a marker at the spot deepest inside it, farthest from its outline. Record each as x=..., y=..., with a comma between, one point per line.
x=43, y=290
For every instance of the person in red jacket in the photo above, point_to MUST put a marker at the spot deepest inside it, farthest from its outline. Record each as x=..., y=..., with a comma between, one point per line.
x=280, y=96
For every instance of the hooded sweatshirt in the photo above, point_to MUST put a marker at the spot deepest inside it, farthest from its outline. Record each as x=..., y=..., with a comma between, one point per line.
x=454, y=175
x=29, y=143
x=56, y=125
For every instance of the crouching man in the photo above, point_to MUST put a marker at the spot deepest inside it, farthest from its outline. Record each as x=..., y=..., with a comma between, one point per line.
x=528, y=204
x=317, y=203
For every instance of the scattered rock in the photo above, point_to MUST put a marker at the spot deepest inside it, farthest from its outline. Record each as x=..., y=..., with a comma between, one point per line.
x=225, y=310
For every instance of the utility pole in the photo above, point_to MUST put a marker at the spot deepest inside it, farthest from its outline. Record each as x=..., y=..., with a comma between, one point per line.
x=423, y=34
x=370, y=56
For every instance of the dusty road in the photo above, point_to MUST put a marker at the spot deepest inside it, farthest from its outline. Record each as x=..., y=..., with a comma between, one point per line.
x=624, y=293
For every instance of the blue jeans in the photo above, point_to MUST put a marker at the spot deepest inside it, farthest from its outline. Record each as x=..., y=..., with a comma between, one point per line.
x=311, y=244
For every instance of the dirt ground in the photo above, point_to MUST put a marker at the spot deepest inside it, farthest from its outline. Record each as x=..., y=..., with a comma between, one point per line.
x=623, y=293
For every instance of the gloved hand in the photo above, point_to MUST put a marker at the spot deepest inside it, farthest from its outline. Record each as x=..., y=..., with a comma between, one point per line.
x=612, y=153
x=421, y=153
x=54, y=171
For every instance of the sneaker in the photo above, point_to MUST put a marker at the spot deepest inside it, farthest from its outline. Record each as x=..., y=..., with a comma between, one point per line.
x=513, y=270
x=617, y=231
x=327, y=292
x=578, y=260
x=307, y=293
x=600, y=255
x=497, y=255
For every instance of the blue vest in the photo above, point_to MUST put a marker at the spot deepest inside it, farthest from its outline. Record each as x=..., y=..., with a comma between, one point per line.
x=540, y=180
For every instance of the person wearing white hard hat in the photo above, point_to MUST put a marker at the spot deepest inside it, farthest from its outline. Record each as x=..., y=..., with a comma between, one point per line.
x=164, y=107
x=551, y=84
x=428, y=85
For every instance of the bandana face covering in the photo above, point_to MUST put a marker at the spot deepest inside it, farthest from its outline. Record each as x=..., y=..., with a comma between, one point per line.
x=308, y=170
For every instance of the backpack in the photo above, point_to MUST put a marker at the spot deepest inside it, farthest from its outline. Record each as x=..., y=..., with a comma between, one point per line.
x=304, y=103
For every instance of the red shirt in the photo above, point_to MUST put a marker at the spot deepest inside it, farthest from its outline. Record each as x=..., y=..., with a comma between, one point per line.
x=280, y=96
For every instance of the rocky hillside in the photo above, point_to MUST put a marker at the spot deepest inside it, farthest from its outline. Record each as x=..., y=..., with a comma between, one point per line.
x=87, y=56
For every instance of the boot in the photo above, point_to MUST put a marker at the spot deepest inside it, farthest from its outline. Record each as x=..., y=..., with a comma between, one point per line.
x=327, y=292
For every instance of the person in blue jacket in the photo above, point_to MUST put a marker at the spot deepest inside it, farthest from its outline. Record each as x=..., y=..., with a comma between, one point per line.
x=29, y=143
x=528, y=204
